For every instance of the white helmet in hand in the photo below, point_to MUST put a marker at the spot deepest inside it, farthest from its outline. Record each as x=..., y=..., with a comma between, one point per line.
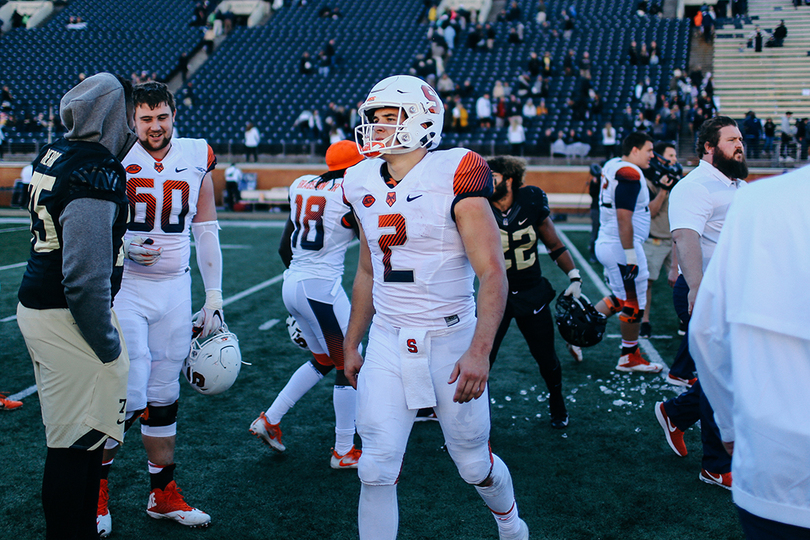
x=214, y=362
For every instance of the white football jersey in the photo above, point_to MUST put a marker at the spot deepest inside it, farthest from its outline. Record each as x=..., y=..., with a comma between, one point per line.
x=422, y=277
x=614, y=171
x=163, y=201
x=320, y=239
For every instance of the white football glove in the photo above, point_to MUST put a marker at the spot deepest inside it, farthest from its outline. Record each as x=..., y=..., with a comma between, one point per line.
x=575, y=289
x=210, y=318
x=138, y=251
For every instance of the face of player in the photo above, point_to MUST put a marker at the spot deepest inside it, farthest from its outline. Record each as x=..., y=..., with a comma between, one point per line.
x=154, y=128
x=501, y=187
x=729, y=155
x=642, y=156
x=385, y=117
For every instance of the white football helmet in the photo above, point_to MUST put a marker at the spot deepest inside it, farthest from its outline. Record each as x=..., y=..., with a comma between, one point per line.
x=214, y=362
x=296, y=335
x=420, y=121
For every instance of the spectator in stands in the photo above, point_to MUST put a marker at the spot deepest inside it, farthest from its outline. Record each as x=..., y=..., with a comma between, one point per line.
x=585, y=65
x=483, y=110
x=541, y=12
x=514, y=36
x=329, y=49
x=643, y=55
x=449, y=106
x=708, y=24
x=641, y=123
x=632, y=53
x=779, y=34
x=467, y=89
x=658, y=129
x=609, y=138
x=673, y=121
x=461, y=117
x=500, y=112
x=7, y=99
x=475, y=37
x=182, y=66
x=648, y=101
x=752, y=130
x=513, y=108
x=208, y=40
x=755, y=39
x=547, y=69
x=514, y=12
x=539, y=87
x=232, y=178
x=654, y=59
x=769, y=133
x=523, y=86
x=491, y=34
x=252, y=138
x=787, y=132
x=529, y=112
x=568, y=63
x=568, y=25
x=516, y=135
x=542, y=110
x=534, y=64
x=498, y=90
x=187, y=93
x=305, y=66
x=445, y=86
x=324, y=63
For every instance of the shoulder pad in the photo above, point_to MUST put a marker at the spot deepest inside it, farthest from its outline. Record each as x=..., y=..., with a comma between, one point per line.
x=628, y=174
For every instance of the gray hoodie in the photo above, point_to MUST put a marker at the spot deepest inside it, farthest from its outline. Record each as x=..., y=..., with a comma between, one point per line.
x=96, y=110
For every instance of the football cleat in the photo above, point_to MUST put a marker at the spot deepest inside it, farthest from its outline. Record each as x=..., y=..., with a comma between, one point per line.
x=8, y=404
x=635, y=362
x=557, y=410
x=346, y=461
x=681, y=328
x=169, y=504
x=717, y=479
x=679, y=381
x=576, y=352
x=673, y=435
x=269, y=433
x=103, y=518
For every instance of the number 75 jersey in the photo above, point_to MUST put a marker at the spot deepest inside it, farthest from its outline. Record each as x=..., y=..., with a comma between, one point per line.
x=422, y=277
x=163, y=200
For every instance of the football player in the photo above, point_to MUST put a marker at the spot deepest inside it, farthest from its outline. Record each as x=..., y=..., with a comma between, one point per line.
x=522, y=214
x=170, y=194
x=313, y=247
x=624, y=224
x=426, y=231
x=78, y=213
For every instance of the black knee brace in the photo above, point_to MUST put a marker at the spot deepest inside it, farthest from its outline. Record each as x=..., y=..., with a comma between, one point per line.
x=160, y=415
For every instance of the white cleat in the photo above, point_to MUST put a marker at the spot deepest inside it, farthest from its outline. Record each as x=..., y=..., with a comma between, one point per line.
x=575, y=351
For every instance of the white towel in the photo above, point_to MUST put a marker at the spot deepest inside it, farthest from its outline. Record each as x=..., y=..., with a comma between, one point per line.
x=414, y=351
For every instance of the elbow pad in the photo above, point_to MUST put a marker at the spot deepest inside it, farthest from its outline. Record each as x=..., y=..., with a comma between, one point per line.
x=209, y=255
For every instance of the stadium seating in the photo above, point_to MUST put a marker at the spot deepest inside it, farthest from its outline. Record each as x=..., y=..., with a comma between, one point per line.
x=254, y=74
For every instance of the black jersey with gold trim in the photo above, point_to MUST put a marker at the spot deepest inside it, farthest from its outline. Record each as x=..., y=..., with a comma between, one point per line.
x=519, y=227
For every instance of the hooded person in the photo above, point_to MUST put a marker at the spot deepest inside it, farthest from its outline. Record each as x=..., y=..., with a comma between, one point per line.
x=78, y=215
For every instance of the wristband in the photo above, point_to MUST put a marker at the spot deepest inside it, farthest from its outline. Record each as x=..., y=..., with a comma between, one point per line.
x=573, y=275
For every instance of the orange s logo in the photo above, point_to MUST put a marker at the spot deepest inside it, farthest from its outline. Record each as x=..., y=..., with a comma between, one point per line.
x=431, y=95
x=412, y=348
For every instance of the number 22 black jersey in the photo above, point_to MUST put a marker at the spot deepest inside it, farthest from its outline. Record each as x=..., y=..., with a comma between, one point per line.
x=520, y=227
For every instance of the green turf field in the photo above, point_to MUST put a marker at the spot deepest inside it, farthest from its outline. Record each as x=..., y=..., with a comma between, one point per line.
x=610, y=475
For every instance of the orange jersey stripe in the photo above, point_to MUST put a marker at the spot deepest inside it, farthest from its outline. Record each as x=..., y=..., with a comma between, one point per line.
x=627, y=174
x=472, y=175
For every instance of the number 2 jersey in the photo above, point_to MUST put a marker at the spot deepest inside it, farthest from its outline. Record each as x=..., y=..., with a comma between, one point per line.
x=163, y=200
x=519, y=233
x=422, y=277
x=320, y=238
x=614, y=173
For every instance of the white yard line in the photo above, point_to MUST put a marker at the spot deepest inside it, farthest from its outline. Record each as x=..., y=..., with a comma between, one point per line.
x=15, y=265
x=269, y=324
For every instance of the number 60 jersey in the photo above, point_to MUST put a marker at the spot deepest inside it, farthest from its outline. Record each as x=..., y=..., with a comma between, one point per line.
x=422, y=277
x=163, y=201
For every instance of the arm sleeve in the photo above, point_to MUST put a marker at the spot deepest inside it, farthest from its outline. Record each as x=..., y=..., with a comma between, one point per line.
x=473, y=178
x=209, y=255
x=87, y=264
x=285, y=246
x=627, y=188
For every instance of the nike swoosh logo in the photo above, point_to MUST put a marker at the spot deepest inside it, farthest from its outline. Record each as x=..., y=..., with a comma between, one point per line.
x=670, y=427
x=409, y=198
x=523, y=221
x=515, y=292
x=718, y=478
x=180, y=170
x=119, y=422
x=536, y=311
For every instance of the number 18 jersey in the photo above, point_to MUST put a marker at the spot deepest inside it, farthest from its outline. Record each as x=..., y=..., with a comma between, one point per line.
x=319, y=240
x=163, y=201
x=422, y=277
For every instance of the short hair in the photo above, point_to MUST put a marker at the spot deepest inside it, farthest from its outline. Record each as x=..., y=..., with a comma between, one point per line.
x=661, y=147
x=637, y=139
x=710, y=132
x=509, y=167
x=152, y=93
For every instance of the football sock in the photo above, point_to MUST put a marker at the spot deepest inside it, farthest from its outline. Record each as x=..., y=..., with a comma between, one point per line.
x=629, y=347
x=70, y=492
x=499, y=497
x=160, y=477
x=105, y=469
x=378, y=513
x=345, y=399
x=304, y=378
